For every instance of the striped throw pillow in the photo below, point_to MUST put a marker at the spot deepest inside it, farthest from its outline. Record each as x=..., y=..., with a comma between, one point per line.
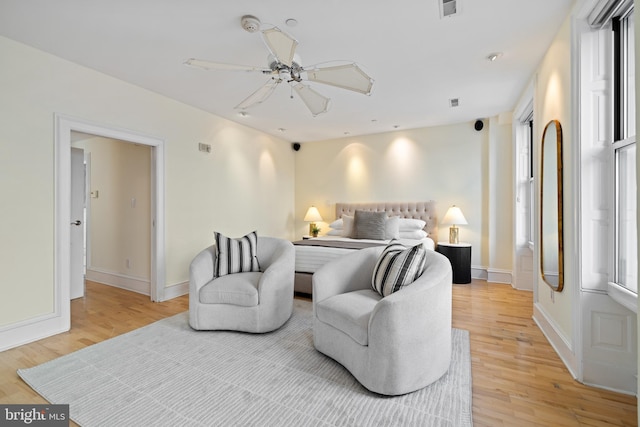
x=236, y=255
x=397, y=267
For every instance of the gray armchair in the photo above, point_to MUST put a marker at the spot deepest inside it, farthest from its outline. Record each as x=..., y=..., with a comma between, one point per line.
x=250, y=302
x=392, y=345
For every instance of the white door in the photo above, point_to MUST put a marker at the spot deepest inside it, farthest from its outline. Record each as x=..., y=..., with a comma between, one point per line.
x=77, y=225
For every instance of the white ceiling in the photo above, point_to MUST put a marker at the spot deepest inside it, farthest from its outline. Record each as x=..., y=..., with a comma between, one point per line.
x=418, y=60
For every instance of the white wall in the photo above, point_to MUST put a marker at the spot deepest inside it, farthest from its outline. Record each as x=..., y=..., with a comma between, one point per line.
x=552, y=100
x=246, y=183
x=448, y=164
x=500, y=196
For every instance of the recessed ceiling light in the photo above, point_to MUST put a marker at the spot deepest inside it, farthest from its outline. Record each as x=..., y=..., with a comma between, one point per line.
x=282, y=129
x=347, y=133
x=291, y=22
x=396, y=126
x=493, y=56
x=243, y=114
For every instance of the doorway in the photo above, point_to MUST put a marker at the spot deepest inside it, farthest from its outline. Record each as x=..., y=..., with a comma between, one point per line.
x=64, y=126
x=114, y=193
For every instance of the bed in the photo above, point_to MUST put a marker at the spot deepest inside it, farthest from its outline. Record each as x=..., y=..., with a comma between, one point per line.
x=313, y=253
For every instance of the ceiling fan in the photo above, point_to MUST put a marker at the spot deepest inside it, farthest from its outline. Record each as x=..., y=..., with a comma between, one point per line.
x=284, y=66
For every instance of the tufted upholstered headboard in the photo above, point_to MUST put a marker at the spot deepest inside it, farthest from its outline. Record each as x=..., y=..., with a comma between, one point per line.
x=425, y=211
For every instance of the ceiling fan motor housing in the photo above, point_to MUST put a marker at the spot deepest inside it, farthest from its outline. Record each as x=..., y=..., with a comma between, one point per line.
x=250, y=23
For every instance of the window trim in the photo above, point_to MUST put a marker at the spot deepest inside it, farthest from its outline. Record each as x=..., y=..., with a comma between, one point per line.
x=621, y=139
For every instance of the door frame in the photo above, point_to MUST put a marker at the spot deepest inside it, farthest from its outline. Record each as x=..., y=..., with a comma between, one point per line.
x=78, y=231
x=63, y=127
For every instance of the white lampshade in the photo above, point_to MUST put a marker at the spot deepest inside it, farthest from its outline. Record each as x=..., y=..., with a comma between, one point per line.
x=454, y=216
x=313, y=215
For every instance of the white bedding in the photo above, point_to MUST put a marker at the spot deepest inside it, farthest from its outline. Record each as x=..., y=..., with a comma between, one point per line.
x=311, y=258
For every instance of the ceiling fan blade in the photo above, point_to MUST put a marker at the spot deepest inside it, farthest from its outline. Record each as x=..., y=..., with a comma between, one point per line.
x=209, y=65
x=315, y=102
x=348, y=76
x=281, y=45
x=260, y=95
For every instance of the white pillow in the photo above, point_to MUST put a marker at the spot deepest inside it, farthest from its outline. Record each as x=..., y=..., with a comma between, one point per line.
x=392, y=228
x=347, y=226
x=415, y=234
x=338, y=224
x=410, y=224
x=333, y=232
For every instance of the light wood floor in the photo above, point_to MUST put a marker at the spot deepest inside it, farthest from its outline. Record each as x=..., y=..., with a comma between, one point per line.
x=518, y=380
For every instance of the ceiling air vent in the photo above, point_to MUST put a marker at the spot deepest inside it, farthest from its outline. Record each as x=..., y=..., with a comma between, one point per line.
x=448, y=8
x=454, y=102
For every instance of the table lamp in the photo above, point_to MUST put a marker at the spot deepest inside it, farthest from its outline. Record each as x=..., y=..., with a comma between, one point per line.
x=454, y=216
x=313, y=215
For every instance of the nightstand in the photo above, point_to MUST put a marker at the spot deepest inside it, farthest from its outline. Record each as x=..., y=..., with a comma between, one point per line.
x=459, y=255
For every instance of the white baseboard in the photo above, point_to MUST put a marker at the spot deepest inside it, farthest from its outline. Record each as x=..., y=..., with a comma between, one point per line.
x=479, y=273
x=499, y=276
x=20, y=333
x=130, y=283
x=493, y=275
x=556, y=338
x=30, y=330
x=176, y=290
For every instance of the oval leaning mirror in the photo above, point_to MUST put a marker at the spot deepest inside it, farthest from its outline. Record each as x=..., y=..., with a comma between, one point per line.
x=551, y=254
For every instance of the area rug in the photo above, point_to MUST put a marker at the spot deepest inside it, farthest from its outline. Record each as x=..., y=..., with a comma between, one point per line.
x=166, y=374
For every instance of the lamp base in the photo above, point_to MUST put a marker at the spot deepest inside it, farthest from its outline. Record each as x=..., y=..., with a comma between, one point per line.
x=311, y=227
x=453, y=235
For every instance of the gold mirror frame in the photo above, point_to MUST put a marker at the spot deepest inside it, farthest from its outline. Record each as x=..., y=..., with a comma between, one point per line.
x=551, y=238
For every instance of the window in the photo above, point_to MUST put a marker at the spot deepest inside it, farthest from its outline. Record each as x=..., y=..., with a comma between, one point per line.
x=625, y=270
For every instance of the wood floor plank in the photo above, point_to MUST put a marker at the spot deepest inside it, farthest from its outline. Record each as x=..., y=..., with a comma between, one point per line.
x=518, y=379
